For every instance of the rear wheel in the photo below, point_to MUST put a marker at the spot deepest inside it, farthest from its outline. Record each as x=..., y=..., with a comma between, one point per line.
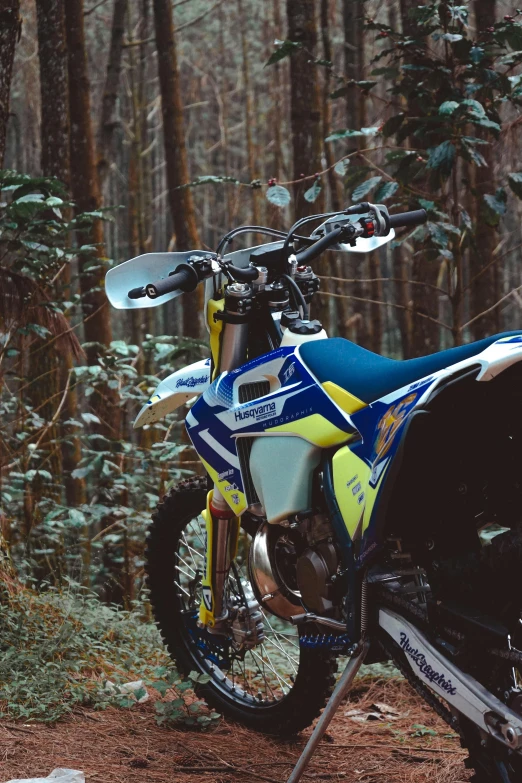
x=491, y=762
x=490, y=580
x=276, y=686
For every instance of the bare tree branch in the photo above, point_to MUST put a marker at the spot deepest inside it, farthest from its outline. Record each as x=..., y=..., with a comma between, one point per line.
x=390, y=304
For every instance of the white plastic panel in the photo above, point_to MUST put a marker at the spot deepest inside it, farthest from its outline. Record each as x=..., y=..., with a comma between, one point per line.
x=173, y=392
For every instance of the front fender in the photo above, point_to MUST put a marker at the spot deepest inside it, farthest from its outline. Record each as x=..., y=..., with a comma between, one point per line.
x=175, y=391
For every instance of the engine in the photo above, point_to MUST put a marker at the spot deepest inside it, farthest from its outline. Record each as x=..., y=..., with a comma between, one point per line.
x=294, y=565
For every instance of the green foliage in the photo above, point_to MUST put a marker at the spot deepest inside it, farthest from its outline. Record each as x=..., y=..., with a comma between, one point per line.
x=278, y=195
x=423, y=731
x=341, y=166
x=449, y=82
x=442, y=157
x=103, y=536
x=386, y=191
x=450, y=88
x=515, y=183
x=312, y=193
x=364, y=188
x=495, y=207
x=284, y=49
x=344, y=134
x=60, y=648
x=210, y=179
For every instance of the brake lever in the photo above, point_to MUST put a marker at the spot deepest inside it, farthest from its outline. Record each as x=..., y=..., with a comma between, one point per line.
x=381, y=220
x=376, y=212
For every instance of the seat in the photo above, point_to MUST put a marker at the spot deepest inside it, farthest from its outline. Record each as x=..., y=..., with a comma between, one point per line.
x=368, y=376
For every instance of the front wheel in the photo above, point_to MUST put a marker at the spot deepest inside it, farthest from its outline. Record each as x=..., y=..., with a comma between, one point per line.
x=276, y=686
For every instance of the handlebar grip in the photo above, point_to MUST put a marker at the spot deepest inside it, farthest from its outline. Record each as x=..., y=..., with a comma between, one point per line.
x=184, y=278
x=405, y=219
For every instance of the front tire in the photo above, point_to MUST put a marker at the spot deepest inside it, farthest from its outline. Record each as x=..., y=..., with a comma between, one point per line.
x=292, y=685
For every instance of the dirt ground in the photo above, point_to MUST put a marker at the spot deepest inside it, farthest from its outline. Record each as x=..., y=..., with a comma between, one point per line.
x=404, y=743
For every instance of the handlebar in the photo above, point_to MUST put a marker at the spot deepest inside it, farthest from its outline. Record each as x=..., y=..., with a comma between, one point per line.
x=186, y=277
x=415, y=218
x=309, y=253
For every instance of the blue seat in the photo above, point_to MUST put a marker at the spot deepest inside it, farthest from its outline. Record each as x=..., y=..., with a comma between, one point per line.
x=369, y=376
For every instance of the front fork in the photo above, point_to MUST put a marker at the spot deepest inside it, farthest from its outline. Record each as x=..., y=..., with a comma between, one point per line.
x=229, y=350
x=222, y=529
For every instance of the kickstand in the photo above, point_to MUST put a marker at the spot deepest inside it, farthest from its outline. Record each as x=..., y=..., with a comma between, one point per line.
x=340, y=691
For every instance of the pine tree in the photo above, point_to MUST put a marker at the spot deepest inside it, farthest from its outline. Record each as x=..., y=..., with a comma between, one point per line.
x=10, y=25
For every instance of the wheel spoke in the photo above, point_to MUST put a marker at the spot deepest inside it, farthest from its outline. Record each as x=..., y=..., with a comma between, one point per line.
x=292, y=661
x=187, y=565
x=265, y=662
x=181, y=571
x=261, y=674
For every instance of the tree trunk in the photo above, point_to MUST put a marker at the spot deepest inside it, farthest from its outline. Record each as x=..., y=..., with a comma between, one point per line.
x=337, y=261
x=424, y=300
x=402, y=297
x=55, y=162
x=483, y=266
x=277, y=117
x=86, y=193
x=376, y=310
x=54, y=88
x=108, y=121
x=334, y=181
x=181, y=201
x=305, y=112
x=10, y=25
x=353, y=23
x=249, y=115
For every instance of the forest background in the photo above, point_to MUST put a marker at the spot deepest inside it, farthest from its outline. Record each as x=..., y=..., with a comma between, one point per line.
x=133, y=126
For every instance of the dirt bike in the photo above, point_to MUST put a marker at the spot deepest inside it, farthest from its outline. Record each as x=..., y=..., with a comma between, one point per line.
x=342, y=503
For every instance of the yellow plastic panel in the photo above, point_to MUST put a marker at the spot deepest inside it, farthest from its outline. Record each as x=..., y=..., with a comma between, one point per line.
x=315, y=429
x=371, y=495
x=235, y=499
x=350, y=480
x=346, y=401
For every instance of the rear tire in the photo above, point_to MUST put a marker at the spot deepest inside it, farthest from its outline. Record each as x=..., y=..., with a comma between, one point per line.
x=315, y=670
x=489, y=580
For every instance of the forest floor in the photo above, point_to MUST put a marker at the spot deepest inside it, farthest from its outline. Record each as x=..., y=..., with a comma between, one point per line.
x=404, y=743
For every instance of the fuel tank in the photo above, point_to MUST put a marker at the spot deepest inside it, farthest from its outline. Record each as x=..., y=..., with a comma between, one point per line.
x=273, y=396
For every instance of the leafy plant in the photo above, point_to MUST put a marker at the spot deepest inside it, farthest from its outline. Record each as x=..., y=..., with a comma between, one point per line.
x=60, y=647
x=449, y=94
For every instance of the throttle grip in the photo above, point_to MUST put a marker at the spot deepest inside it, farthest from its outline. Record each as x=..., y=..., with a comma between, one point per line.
x=404, y=219
x=185, y=278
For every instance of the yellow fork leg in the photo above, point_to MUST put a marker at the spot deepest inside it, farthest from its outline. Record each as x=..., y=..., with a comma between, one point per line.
x=222, y=529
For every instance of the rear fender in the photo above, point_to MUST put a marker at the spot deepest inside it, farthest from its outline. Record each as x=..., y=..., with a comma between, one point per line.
x=180, y=387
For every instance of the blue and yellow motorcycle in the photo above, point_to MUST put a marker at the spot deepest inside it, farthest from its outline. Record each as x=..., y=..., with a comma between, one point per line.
x=344, y=494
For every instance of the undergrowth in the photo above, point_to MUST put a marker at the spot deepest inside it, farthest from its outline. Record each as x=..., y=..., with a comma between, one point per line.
x=60, y=648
